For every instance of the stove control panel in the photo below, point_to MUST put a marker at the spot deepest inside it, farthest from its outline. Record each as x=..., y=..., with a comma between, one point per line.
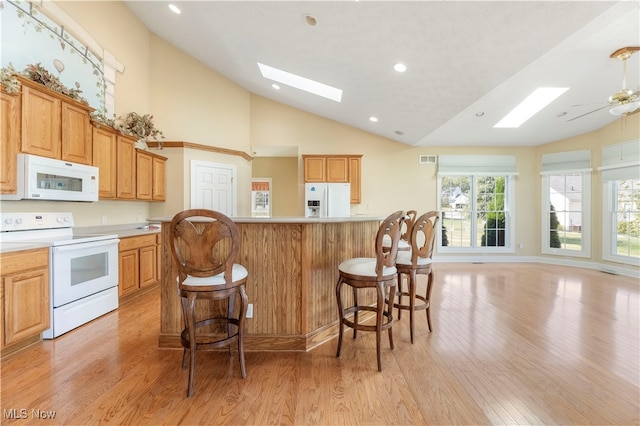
x=32, y=221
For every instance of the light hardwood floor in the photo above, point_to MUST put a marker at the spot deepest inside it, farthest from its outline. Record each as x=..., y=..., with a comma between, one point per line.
x=512, y=344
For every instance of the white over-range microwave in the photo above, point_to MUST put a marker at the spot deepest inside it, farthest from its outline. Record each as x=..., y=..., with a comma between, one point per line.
x=41, y=178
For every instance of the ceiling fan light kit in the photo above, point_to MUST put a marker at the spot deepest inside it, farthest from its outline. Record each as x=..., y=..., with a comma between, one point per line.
x=625, y=101
x=625, y=109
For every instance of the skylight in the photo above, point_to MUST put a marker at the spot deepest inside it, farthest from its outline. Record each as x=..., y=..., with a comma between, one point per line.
x=540, y=98
x=301, y=83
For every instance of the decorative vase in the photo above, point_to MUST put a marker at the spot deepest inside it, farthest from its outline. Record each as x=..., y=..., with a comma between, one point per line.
x=142, y=144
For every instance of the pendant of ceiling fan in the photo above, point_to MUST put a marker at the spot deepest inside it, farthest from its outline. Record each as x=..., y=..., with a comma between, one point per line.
x=625, y=101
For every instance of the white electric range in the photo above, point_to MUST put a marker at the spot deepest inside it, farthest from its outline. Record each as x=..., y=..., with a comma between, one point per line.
x=83, y=267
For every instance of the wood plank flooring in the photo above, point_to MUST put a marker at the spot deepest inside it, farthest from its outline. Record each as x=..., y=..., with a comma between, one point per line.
x=512, y=344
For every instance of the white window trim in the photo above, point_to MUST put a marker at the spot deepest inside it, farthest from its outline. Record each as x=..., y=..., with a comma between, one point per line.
x=608, y=229
x=509, y=217
x=586, y=216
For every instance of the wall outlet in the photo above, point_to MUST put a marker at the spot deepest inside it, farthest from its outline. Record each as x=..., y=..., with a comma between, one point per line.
x=104, y=219
x=250, y=310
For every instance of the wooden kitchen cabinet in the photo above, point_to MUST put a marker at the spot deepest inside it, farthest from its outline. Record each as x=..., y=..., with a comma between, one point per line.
x=144, y=175
x=335, y=168
x=315, y=168
x=150, y=176
x=355, y=180
x=126, y=167
x=10, y=106
x=48, y=118
x=138, y=263
x=105, y=159
x=159, y=187
x=25, y=297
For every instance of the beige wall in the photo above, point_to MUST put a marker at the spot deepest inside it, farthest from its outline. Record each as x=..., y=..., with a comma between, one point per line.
x=283, y=172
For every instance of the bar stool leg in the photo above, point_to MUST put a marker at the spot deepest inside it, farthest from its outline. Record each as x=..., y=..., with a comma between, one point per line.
x=340, y=315
x=243, y=314
x=191, y=327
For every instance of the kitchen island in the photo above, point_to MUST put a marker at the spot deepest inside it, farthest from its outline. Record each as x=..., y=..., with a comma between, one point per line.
x=293, y=269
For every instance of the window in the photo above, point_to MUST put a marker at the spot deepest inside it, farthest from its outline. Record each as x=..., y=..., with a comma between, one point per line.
x=476, y=201
x=620, y=172
x=566, y=194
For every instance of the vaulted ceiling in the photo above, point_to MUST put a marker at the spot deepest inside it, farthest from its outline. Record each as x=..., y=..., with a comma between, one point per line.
x=468, y=62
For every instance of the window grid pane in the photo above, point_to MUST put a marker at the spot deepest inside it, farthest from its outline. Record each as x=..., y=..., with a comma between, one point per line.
x=473, y=211
x=626, y=216
x=565, y=211
x=456, y=210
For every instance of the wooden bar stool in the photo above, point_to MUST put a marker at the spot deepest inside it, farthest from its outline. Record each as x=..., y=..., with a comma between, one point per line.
x=414, y=262
x=204, y=244
x=405, y=233
x=379, y=273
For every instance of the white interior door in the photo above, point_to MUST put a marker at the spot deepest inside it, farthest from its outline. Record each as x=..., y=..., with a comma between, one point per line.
x=213, y=187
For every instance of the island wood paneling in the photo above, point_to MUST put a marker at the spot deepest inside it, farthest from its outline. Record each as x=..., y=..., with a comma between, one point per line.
x=292, y=275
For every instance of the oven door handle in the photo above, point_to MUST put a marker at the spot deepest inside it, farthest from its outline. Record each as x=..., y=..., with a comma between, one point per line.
x=84, y=246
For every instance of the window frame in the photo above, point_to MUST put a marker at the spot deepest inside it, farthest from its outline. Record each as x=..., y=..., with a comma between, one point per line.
x=585, y=232
x=609, y=225
x=509, y=210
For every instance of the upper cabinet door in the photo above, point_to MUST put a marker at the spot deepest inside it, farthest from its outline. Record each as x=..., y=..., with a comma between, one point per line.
x=338, y=169
x=41, y=113
x=76, y=134
x=315, y=169
x=9, y=141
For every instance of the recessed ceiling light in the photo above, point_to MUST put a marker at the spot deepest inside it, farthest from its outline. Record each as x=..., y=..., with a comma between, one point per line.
x=301, y=83
x=310, y=20
x=400, y=67
x=373, y=119
x=275, y=86
x=540, y=98
x=175, y=9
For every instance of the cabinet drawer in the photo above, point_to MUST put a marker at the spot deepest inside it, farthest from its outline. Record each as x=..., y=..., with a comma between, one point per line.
x=137, y=242
x=25, y=260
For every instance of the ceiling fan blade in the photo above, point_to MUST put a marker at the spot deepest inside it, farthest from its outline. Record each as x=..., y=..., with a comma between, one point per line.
x=587, y=113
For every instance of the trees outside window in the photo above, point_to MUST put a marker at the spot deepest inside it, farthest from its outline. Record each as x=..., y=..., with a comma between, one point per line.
x=565, y=218
x=475, y=213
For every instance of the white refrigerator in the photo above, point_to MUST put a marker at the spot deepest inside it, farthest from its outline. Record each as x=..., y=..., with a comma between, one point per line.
x=327, y=200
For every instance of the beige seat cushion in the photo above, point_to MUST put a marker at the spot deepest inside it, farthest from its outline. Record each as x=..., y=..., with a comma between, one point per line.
x=364, y=266
x=238, y=273
x=404, y=259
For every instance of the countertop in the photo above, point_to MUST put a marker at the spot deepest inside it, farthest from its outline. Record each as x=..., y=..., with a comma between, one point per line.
x=290, y=219
x=122, y=231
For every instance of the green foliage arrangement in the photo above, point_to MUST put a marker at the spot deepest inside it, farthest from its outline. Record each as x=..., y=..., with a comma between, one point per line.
x=140, y=126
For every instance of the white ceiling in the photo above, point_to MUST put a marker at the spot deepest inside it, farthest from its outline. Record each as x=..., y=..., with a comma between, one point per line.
x=463, y=58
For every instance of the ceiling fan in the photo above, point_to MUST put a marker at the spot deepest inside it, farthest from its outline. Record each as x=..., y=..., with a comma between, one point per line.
x=625, y=101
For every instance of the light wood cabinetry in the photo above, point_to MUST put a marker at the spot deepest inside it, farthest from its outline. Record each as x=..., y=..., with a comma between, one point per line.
x=9, y=140
x=25, y=297
x=338, y=169
x=335, y=168
x=126, y=168
x=159, y=186
x=315, y=168
x=150, y=176
x=144, y=178
x=105, y=159
x=355, y=179
x=126, y=172
x=138, y=263
x=49, y=118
